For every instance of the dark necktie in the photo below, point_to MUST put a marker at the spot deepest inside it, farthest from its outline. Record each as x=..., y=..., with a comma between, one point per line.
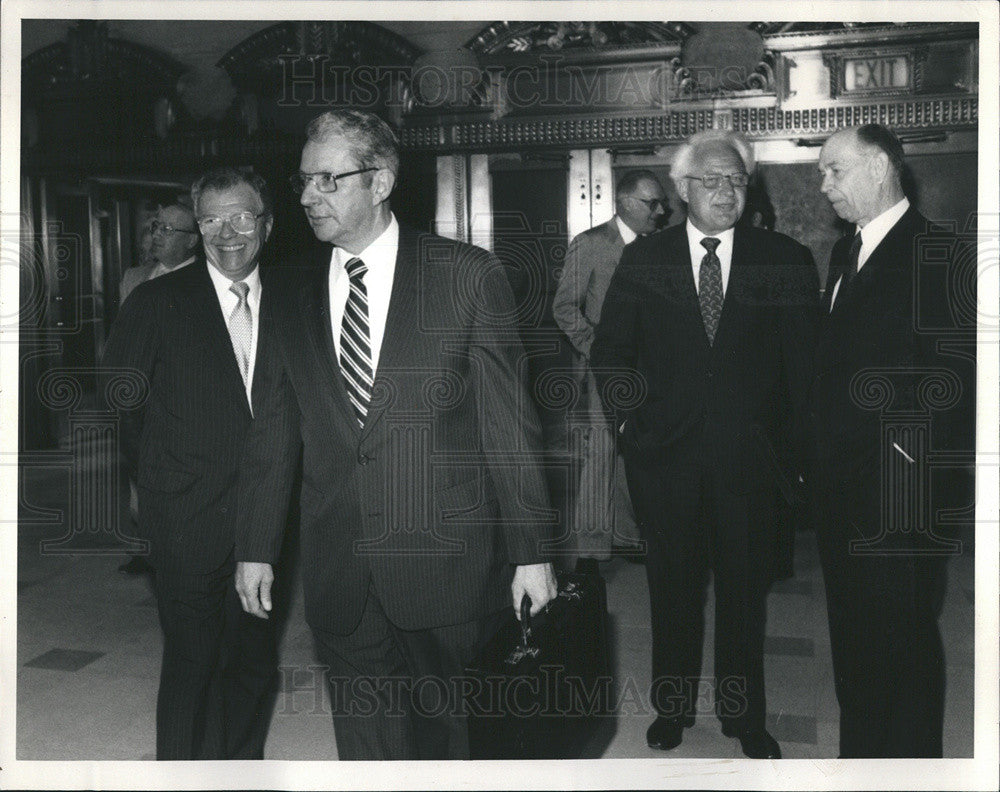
x=852, y=265
x=241, y=327
x=710, y=288
x=355, y=341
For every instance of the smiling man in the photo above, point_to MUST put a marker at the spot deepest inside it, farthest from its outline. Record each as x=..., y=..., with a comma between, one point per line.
x=719, y=320
x=192, y=336
x=396, y=370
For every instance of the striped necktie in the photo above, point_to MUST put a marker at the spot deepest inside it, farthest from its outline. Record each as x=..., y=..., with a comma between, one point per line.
x=355, y=341
x=241, y=327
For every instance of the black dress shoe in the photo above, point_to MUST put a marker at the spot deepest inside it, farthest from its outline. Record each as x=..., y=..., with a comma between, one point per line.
x=666, y=733
x=756, y=743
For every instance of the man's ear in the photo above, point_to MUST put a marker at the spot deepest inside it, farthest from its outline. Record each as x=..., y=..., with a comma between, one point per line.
x=193, y=244
x=382, y=183
x=879, y=167
x=268, y=225
x=682, y=186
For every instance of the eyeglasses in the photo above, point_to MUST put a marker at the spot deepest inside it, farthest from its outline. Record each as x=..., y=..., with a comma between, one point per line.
x=713, y=181
x=157, y=227
x=242, y=223
x=652, y=203
x=325, y=181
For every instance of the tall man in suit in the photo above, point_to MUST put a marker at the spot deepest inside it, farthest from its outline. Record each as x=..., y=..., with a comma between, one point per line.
x=397, y=372
x=602, y=512
x=192, y=335
x=174, y=244
x=887, y=310
x=718, y=320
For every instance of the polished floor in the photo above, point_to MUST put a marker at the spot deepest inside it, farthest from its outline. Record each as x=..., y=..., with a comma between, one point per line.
x=89, y=649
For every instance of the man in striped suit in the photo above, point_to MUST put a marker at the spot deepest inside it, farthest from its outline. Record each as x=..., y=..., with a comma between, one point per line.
x=396, y=369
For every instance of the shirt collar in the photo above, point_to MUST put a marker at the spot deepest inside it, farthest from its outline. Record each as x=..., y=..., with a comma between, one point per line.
x=628, y=235
x=874, y=232
x=222, y=283
x=381, y=250
x=695, y=236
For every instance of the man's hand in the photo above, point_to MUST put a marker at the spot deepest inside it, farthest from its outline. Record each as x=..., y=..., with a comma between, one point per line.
x=538, y=581
x=253, y=584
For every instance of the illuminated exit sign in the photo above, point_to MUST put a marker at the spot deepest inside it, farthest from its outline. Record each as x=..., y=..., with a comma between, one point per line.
x=874, y=74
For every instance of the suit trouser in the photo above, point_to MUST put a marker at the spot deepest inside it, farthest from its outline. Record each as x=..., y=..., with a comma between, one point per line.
x=602, y=515
x=397, y=694
x=888, y=660
x=218, y=676
x=690, y=529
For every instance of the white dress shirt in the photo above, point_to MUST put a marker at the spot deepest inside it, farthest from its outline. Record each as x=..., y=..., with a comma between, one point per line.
x=628, y=235
x=872, y=235
x=380, y=258
x=228, y=302
x=724, y=251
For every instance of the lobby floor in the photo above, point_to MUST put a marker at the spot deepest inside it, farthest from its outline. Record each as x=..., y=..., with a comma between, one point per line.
x=89, y=649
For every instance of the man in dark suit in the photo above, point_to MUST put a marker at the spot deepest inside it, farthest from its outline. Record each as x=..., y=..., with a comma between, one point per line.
x=718, y=321
x=173, y=244
x=397, y=371
x=602, y=516
x=192, y=335
x=887, y=396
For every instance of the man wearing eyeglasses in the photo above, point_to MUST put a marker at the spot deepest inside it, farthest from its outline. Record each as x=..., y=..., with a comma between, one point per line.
x=397, y=372
x=174, y=244
x=601, y=516
x=192, y=335
x=719, y=319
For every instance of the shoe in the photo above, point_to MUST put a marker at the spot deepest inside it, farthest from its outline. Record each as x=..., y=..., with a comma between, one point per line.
x=756, y=743
x=666, y=733
x=136, y=565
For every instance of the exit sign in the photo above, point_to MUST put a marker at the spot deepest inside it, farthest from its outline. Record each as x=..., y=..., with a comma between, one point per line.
x=874, y=74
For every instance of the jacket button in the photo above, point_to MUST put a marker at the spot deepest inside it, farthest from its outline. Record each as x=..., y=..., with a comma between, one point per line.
x=224, y=509
x=363, y=459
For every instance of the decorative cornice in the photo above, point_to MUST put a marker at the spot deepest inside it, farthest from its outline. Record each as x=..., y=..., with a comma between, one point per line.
x=942, y=113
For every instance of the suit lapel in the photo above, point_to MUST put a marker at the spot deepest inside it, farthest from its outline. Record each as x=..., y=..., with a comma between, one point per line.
x=401, y=324
x=314, y=301
x=205, y=311
x=681, y=275
x=741, y=268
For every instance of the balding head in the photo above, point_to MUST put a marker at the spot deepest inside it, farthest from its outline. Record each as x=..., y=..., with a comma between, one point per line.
x=862, y=169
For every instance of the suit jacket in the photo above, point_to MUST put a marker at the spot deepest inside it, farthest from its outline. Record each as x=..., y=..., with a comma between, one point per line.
x=591, y=260
x=440, y=492
x=736, y=408
x=132, y=277
x=182, y=444
x=906, y=299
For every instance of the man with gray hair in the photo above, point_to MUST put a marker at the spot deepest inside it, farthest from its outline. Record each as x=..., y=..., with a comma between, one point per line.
x=719, y=321
x=395, y=369
x=601, y=517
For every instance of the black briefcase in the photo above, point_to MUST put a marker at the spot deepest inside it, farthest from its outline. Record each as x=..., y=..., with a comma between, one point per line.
x=542, y=688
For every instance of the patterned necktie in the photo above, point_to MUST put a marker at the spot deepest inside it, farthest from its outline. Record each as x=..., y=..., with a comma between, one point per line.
x=710, y=288
x=355, y=341
x=852, y=265
x=241, y=327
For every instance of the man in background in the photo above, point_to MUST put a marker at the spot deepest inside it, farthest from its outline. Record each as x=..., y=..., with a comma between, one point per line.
x=601, y=517
x=192, y=334
x=888, y=313
x=174, y=244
